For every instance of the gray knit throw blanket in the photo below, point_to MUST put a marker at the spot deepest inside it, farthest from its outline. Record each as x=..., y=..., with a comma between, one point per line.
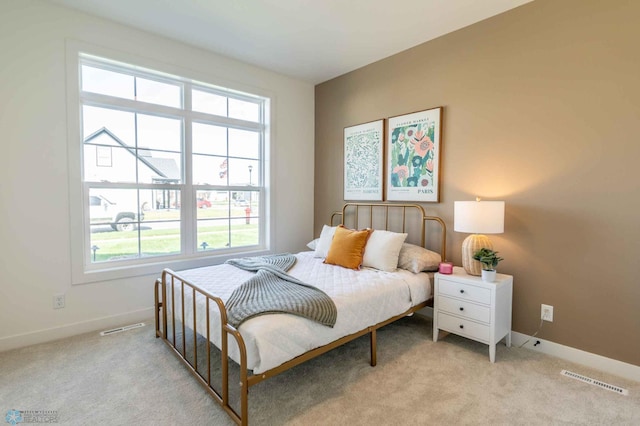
x=272, y=290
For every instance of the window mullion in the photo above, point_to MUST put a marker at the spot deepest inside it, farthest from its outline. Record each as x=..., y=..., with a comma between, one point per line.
x=189, y=212
x=100, y=100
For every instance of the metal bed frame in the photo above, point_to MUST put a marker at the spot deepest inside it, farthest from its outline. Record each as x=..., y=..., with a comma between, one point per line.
x=171, y=280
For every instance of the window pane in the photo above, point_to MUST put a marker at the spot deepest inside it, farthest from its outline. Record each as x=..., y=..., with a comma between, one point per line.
x=158, y=93
x=113, y=127
x=244, y=110
x=244, y=232
x=206, y=200
x=244, y=143
x=213, y=234
x=122, y=168
x=241, y=200
x=203, y=202
x=105, y=82
x=208, y=102
x=209, y=139
x=159, y=133
x=116, y=207
x=114, y=219
x=254, y=203
x=159, y=167
x=209, y=170
x=107, y=245
x=245, y=204
x=243, y=172
x=212, y=204
x=160, y=205
x=160, y=238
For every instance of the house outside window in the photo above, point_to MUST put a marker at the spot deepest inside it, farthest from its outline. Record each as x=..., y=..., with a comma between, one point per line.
x=171, y=168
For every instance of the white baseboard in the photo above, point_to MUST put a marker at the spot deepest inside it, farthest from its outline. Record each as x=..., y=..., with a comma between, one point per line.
x=598, y=362
x=55, y=333
x=608, y=365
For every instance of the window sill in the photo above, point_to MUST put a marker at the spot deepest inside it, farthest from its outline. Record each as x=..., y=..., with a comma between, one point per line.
x=111, y=272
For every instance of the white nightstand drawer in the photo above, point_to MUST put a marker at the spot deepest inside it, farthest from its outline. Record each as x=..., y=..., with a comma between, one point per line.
x=464, y=327
x=464, y=291
x=465, y=309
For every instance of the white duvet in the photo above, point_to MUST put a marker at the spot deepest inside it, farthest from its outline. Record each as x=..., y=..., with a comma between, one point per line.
x=363, y=298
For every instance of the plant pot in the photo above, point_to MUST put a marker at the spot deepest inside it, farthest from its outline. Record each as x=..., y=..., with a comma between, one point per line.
x=488, y=276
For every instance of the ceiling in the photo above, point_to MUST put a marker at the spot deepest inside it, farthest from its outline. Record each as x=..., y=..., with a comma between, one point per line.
x=312, y=40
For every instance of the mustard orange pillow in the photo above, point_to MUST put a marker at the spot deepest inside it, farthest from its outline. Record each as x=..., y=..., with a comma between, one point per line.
x=347, y=247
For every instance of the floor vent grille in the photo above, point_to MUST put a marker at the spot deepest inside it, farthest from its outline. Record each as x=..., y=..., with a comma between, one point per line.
x=121, y=329
x=595, y=382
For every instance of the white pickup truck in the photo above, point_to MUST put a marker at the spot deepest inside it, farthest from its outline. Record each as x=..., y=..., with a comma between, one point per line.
x=121, y=217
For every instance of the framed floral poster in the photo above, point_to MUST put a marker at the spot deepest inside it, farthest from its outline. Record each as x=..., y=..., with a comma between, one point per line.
x=414, y=143
x=363, y=161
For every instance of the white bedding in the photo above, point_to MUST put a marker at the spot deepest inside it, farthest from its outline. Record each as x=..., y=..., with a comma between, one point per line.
x=363, y=298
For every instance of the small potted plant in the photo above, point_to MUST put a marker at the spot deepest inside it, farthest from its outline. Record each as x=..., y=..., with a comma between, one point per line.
x=489, y=260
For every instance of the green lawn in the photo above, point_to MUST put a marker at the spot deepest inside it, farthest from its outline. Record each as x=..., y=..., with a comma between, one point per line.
x=154, y=242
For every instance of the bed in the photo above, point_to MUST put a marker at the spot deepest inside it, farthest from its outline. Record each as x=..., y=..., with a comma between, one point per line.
x=193, y=319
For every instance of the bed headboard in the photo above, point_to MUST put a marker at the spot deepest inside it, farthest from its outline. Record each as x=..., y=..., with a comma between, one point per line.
x=409, y=218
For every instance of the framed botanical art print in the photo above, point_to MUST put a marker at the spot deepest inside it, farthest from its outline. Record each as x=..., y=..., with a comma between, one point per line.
x=363, y=161
x=414, y=143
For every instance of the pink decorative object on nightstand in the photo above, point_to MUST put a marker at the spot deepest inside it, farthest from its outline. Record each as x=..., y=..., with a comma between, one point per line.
x=446, y=268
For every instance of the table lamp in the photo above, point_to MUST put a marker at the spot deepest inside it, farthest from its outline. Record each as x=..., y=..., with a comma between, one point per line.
x=477, y=218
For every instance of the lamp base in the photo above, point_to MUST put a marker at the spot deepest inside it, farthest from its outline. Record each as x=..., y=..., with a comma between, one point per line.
x=470, y=245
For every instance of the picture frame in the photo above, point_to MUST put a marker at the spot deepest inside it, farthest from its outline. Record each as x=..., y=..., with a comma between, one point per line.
x=414, y=145
x=364, y=161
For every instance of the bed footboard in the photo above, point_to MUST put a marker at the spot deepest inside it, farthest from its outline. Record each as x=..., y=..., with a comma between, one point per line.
x=171, y=293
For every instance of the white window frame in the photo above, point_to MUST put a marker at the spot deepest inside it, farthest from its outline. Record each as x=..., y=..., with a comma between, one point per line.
x=85, y=271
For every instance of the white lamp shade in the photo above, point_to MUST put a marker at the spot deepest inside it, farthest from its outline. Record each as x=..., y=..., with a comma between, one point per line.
x=478, y=217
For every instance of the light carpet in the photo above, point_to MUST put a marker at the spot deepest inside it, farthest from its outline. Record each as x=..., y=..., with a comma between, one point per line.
x=132, y=378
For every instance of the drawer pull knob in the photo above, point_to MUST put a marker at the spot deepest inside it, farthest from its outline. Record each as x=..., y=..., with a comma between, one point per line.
x=461, y=326
x=461, y=291
x=461, y=308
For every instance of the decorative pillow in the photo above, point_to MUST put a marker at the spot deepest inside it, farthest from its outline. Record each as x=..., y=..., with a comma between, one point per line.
x=347, y=247
x=313, y=244
x=417, y=259
x=324, y=242
x=383, y=249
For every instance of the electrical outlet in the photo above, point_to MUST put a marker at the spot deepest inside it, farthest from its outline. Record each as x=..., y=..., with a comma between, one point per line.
x=546, y=312
x=58, y=301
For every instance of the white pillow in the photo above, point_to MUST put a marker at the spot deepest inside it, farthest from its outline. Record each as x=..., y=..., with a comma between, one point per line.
x=313, y=243
x=324, y=242
x=417, y=259
x=382, y=250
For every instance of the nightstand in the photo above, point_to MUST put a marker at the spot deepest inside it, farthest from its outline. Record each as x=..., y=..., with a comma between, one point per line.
x=469, y=307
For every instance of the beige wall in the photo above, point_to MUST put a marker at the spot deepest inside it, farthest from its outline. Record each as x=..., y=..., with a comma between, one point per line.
x=542, y=110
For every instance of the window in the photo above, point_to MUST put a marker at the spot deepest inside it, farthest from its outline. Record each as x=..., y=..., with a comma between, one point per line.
x=171, y=168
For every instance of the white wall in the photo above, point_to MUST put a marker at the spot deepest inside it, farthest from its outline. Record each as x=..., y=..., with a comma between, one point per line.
x=35, y=258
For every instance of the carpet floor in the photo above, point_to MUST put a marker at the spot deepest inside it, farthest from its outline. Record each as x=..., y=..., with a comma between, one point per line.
x=132, y=378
